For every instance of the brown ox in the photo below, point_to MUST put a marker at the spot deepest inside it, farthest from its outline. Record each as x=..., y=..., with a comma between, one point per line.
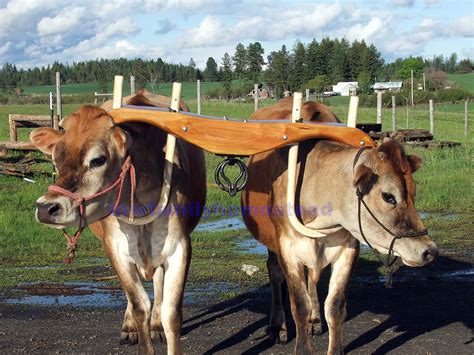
x=156, y=245
x=326, y=194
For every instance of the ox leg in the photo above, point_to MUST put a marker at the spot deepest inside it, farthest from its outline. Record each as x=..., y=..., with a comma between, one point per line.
x=128, y=333
x=277, y=329
x=157, y=332
x=138, y=301
x=315, y=327
x=176, y=269
x=299, y=298
x=335, y=305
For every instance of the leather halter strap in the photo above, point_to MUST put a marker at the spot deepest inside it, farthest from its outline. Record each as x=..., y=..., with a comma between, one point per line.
x=390, y=260
x=127, y=168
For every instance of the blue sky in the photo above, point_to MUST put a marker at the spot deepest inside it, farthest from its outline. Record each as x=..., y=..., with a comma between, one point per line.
x=38, y=32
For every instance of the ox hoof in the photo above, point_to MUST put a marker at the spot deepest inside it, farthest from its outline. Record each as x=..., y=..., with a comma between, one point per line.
x=278, y=336
x=158, y=336
x=315, y=328
x=130, y=338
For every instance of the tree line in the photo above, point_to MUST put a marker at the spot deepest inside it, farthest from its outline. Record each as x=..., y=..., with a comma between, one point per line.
x=315, y=65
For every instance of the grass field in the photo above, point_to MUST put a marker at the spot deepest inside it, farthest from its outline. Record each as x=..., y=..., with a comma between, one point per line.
x=444, y=185
x=188, y=89
x=465, y=81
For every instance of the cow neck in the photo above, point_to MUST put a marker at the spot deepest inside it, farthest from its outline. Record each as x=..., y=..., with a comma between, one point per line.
x=127, y=168
x=162, y=198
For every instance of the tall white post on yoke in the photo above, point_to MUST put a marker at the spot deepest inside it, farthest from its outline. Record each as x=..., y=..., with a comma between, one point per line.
x=118, y=89
x=352, y=115
x=291, y=186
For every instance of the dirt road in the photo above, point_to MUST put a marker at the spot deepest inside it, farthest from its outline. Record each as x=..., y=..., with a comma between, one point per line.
x=427, y=312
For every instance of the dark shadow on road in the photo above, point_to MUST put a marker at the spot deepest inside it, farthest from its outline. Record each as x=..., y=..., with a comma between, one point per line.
x=422, y=300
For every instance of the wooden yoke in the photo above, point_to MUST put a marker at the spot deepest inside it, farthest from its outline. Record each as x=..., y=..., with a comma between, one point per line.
x=236, y=137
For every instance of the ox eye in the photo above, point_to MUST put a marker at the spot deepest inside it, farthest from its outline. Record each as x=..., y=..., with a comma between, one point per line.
x=96, y=162
x=389, y=198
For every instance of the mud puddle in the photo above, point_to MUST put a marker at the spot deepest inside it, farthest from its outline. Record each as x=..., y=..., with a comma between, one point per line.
x=228, y=224
x=97, y=294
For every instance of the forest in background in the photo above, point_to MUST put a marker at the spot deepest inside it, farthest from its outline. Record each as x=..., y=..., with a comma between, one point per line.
x=314, y=65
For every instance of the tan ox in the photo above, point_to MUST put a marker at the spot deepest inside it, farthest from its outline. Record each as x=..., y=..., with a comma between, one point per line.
x=329, y=174
x=89, y=157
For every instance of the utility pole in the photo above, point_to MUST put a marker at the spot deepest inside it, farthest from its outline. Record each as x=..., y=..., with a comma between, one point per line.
x=412, y=101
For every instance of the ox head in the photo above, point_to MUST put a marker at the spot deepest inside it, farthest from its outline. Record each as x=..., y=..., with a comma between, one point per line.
x=384, y=178
x=87, y=157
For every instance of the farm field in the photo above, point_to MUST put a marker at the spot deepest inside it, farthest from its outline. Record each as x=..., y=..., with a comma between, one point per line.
x=464, y=80
x=188, y=89
x=445, y=195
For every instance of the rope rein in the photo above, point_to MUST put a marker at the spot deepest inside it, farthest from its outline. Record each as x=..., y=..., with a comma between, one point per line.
x=390, y=259
x=127, y=168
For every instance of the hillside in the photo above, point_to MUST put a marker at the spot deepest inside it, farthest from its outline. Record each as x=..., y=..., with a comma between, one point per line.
x=188, y=90
x=464, y=80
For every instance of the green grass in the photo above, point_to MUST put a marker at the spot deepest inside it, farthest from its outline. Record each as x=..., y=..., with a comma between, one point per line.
x=188, y=91
x=443, y=184
x=465, y=81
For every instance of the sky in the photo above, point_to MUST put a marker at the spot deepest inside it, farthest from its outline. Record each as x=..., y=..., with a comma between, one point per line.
x=39, y=32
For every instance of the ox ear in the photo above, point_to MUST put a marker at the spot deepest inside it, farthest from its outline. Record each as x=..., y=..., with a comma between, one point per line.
x=362, y=177
x=122, y=140
x=415, y=162
x=45, y=139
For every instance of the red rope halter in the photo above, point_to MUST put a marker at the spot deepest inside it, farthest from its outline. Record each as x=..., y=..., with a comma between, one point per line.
x=127, y=167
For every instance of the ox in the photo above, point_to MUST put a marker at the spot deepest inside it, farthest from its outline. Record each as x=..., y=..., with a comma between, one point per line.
x=92, y=154
x=334, y=181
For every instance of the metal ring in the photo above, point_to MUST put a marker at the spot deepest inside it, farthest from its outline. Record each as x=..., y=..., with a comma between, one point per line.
x=224, y=182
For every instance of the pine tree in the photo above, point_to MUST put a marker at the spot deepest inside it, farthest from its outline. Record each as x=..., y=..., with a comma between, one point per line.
x=255, y=61
x=226, y=77
x=298, y=70
x=210, y=73
x=240, y=61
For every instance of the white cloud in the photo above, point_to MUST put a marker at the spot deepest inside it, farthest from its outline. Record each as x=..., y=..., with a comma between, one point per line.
x=463, y=26
x=4, y=48
x=272, y=24
x=66, y=20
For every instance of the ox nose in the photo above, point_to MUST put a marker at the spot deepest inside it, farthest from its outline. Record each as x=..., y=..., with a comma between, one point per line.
x=430, y=254
x=48, y=210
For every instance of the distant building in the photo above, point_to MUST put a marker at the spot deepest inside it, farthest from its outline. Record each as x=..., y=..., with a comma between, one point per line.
x=393, y=86
x=263, y=93
x=346, y=88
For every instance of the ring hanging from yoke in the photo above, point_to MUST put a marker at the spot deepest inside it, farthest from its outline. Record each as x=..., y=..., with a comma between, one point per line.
x=223, y=181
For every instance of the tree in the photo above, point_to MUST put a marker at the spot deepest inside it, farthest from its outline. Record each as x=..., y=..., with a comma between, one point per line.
x=226, y=77
x=436, y=79
x=313, y=60
x=255, y=61
x=318, y=84
x=338, y=62
x=276, y=76
x=298, y=71
x=363, y=82
x=465, y=66
x=191, y=63
x=210, y=73
x=411, y=63
x=240, y=61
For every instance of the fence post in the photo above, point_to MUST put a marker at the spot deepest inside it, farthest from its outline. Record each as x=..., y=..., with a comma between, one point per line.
x=394, y=114
x=307, y=94
x=198, y=91
x=379, y=107
x=431, y=117
x=59, y=106
x=132, y=85
x=256, y=94
x=95, y=98
x=352, y=116
x=412, y=101
x=465, y=118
